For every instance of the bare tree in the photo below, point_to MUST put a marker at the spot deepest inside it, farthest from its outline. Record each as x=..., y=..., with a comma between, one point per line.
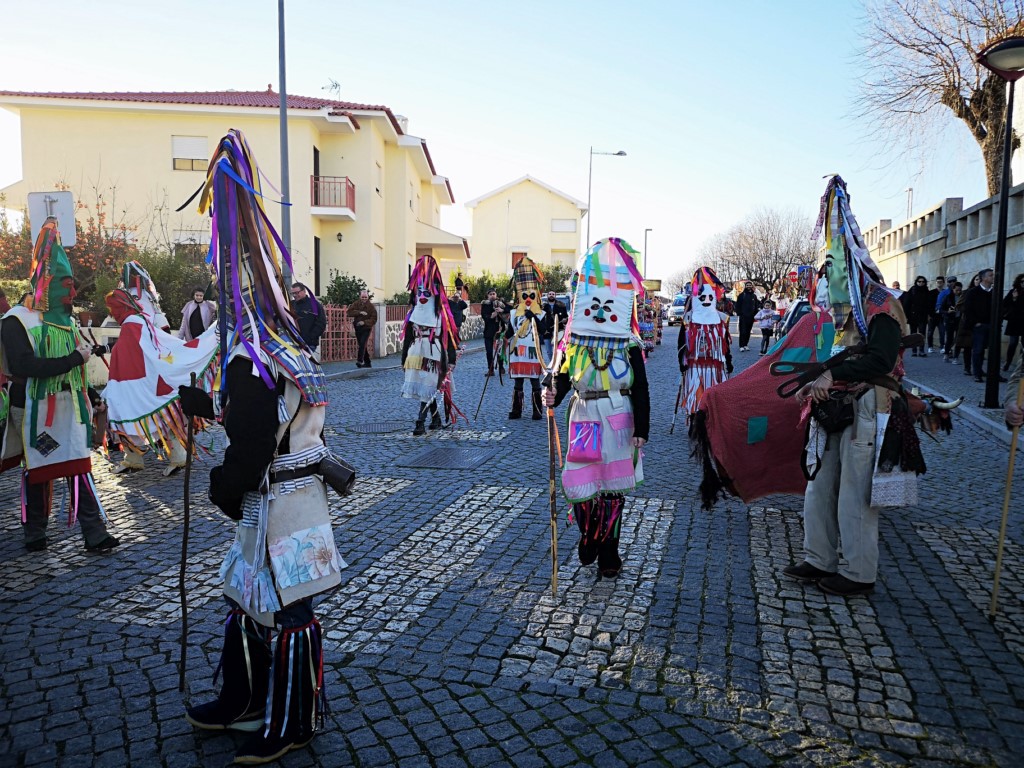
x=921, y=59
x=764, y=248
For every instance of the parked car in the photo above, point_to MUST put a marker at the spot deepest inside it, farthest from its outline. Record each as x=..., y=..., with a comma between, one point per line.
x=677, y=310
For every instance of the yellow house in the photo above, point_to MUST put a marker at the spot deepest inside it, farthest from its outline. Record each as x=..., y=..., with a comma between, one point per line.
x=526, y=217
x=366, y=198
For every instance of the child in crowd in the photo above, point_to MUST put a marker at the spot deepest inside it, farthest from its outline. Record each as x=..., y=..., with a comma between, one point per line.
x=766, y=318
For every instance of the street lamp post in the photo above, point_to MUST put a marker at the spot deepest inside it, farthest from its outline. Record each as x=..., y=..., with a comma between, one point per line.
x=645, y=249
x=286, y=219
x=1006, y=59
x=590, y=177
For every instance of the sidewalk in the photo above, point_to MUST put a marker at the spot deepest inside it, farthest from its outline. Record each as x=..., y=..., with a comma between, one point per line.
x=346, y=369
x=933, y=375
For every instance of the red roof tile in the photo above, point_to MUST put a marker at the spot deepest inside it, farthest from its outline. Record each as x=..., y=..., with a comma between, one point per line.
x=268, y=99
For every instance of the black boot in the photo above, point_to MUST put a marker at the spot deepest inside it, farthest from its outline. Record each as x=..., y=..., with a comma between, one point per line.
x=420, y=428
x=587, y=549
x=296, y=700
x=608, y=561
x=435, y=421
x=517, y=404
x=538, y=412
x=245, y=660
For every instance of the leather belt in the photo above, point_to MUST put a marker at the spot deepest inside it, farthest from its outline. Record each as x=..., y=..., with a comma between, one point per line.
x=295, y=474
x=599, y=395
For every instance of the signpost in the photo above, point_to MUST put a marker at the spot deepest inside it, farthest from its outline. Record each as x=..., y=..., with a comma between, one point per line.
x=60, y=205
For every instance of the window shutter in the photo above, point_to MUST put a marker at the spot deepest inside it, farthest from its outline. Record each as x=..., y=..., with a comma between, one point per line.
x=189, y=147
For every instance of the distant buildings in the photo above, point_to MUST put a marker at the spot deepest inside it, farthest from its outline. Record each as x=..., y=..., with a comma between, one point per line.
x=527, y=217
x=366, y=197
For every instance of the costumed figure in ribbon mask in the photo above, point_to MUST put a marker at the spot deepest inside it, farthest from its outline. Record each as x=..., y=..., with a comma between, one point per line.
x=528, y=323
x=610, y=411
x=704, y=345
x=862, y=450
x=271, y=396
x=49, y=422
x=139, y=284
x=147, y=365
x=430, y=343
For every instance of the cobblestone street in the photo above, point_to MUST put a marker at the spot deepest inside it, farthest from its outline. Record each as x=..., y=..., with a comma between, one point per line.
x=444, y=645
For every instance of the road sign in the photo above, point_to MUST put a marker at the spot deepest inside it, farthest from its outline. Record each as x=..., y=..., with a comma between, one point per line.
x=792, y=276
x=60, y=205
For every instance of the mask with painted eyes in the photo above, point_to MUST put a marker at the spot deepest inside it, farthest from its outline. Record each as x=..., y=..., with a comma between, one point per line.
x=599, y=309
x=704, y=310
x=424, y=310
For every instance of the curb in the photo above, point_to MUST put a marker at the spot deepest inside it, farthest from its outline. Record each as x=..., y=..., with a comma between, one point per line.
x=973, y=414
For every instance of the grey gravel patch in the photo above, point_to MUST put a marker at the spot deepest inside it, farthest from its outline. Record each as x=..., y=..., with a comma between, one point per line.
x=969, y=556
x=371, y=611
x=589, y=634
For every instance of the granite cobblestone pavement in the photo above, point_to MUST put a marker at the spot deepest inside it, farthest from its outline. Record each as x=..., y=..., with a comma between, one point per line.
x=445, y=646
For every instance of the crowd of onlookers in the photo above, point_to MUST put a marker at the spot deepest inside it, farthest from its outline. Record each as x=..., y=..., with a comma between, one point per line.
x=962, y=316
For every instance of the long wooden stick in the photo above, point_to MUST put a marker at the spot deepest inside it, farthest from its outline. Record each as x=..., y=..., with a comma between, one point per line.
x=184, y=548
x=1006, y=504
x=679, y=399
x=553, y=456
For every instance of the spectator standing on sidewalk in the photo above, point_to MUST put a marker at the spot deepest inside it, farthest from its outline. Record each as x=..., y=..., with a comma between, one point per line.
x=934, y=319
x=950, y=318
x=978, y=314
x=1013, y=313
x=920, y=303
x=747, y=305
x=310, y=315
x=363, y=315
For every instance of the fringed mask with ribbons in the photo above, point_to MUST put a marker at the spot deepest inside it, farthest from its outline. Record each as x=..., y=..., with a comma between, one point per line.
x=246, y=251
x=430, y=307
x=706, y=289
x=603, y=322
x=139, y=284
x=851, y=273
x=526, y=285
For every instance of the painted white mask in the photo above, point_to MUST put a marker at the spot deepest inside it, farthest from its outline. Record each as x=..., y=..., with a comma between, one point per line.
x=704, y=310
x=423, y=312
x=600, y=313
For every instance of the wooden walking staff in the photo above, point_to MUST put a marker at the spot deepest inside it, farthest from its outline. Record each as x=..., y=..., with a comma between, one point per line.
x=1006, y=504
x=554, y=454
x=184, y=548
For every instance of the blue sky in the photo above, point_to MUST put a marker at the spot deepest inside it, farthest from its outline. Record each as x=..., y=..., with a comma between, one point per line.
x=722, y=107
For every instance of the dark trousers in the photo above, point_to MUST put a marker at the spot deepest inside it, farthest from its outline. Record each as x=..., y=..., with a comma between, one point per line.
x=766, y=339
x=979, y=342
x=297, y=614
x=1011, y=348
x=952, y=322
x=37, y=507
x=935, y=321
x=489, y=349
x=746, y=323
x=362, y=336
x=919, y=326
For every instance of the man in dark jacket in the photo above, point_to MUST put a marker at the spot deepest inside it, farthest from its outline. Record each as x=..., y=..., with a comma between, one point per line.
x=978, y=316
x=554, y=308
x=363, y=315
x=746, y=307
x=310, y=315
x=493, y=312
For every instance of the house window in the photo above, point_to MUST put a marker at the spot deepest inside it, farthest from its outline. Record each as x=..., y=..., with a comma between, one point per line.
x=563, y=225
x=189, y=153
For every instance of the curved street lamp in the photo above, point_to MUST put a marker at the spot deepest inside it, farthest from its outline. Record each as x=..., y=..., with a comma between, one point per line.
x=590, y=176
x=1004, y=58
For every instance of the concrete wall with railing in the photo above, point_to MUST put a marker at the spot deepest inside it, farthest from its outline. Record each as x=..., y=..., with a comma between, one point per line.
x=947, y=239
